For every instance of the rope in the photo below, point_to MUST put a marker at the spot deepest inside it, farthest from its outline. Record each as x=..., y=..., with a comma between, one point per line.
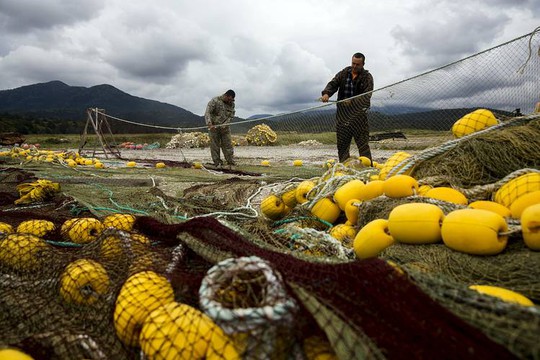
x=522, y=67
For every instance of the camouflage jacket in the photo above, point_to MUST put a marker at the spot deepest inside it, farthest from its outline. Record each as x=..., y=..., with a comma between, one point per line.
x=218, y=112
x=362, y=85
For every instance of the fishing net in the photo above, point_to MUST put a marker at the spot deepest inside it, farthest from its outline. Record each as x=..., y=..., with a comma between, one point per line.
x=140, y=262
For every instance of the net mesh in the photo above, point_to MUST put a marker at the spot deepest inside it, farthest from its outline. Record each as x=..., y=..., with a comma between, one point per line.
x=132, y=262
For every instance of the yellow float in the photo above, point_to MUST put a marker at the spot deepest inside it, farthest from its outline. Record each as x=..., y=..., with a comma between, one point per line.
x=289, y=198
x=490, y=206
x=474, y=121
x=516, y=188
x=119, y=221
x=273, y=207
x=344, y=233
x=399, y=186
x=530, y=226
x=475, y=231
x=83, y=282
x=327, y=210
x=372, y=190
x=523, y=202
x=141, y=294
x=302, y=191
x=6, y=228
x=503, y=294
x=350, y=190
x=40, y=228
x=447, y=194
x=352, y=211
x=392, y=162
x=179, y=331
x=372, y=239
x=416, y=223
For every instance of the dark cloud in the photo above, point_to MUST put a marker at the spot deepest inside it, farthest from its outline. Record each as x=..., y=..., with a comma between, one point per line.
x=439, y=40
x=22, y=16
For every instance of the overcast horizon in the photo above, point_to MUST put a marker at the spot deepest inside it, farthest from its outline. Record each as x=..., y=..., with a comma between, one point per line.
x=277, y=55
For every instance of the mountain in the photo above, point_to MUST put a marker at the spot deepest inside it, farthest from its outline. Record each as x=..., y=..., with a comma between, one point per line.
x=58, y=102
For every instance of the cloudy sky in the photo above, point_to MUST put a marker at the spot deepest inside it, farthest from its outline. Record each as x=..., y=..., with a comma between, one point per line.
x=277, y=55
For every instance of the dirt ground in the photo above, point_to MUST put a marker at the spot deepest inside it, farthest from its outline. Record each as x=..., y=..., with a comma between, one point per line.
x=252, y=155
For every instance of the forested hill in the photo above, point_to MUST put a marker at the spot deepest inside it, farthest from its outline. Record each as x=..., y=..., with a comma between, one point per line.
x=55, y=107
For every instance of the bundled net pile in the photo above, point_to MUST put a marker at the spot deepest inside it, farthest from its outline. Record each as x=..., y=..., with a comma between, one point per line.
x=115, y=268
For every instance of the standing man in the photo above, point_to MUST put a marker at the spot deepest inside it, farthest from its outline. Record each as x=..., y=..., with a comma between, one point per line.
x=351, y=117
x=218, y=116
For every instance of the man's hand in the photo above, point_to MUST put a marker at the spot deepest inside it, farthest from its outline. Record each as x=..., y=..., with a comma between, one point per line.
x=211, y=127
x=325, y=98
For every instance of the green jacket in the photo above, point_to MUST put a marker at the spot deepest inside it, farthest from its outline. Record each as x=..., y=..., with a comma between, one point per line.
x=218, y=112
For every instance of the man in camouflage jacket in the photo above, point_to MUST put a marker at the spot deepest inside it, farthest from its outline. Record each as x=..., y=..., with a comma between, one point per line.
x=219, y=113
x=351, y=117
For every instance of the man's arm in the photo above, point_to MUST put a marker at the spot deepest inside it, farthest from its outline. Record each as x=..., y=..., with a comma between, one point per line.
x=332, y=86
x=208, y=114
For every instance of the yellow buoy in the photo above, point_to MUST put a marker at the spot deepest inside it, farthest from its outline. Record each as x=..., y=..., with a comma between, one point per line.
x=345, y=233
x=523, y=202
x=303, y=189
x=197, y=165
x=475, y=231
x=6, y=228
x=350, y=190
x=423, y=189
x=160, y=165
x=399, y=186
x=447, y=194
x=392, y=162
x=530, y=226
x=14, y=354
x=131, y=164
x=372, y=190
x=516, y=188
x=325, y=209
x=265, y=163
x=365, y=161
x=289, y=198
x=372, y=239
x=490, y=206
x=297, y=163
x=273, y=207
x=352, y=211
x=474, y=121
x=416, y=223
x=503, y=294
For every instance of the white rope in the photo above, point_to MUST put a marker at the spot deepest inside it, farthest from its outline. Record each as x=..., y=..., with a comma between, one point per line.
x=522, y=67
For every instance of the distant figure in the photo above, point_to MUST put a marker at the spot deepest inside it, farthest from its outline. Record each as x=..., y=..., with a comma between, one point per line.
x=537, y=108
x=351, y=116
x=219, y=113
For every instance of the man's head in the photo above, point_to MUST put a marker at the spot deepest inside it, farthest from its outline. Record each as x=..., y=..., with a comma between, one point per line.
x=357, y=62
x=229, y=96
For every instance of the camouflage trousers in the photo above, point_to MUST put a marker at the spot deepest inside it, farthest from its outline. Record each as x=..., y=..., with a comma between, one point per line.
x=220, y=139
